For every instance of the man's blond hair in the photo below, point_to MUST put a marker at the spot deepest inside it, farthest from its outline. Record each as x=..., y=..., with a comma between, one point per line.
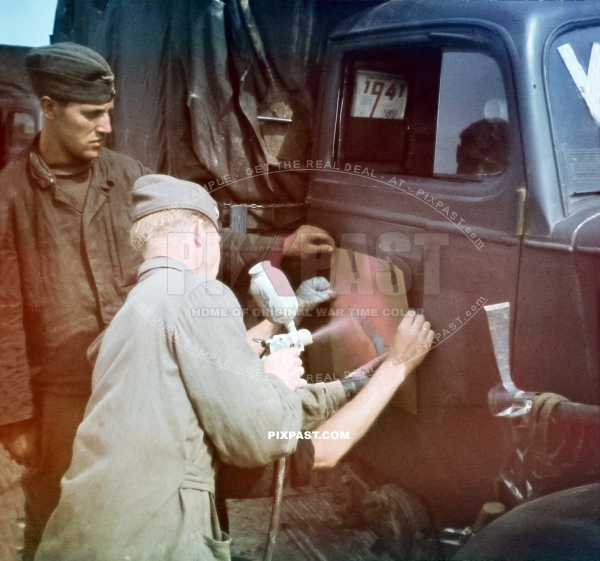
x=158, y=225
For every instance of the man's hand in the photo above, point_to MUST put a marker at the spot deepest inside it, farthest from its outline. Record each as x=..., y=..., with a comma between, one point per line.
x=308, y=242
x=21, y=441
x=286, y=364
x=409, y=346
x=411, y=342
x=311, y=293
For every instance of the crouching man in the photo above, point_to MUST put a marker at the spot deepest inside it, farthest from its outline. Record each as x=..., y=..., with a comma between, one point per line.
x=176, y=387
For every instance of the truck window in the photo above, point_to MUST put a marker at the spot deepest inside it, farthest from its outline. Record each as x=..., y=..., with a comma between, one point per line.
x=426, y=112
x=573, y=75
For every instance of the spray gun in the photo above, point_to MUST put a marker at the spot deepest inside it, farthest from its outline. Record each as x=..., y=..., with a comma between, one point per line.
x=298, y=338
x=273, y=293
x=275, y=296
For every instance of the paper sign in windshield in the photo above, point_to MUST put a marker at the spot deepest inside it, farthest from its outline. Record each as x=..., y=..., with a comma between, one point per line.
x=587, y=84
x=379, y=95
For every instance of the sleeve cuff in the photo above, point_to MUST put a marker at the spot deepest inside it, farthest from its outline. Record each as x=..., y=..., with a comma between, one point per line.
x=336, y=396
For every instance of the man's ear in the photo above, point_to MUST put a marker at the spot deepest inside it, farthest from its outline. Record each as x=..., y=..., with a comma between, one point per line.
x=50, y=107
x=199, y=232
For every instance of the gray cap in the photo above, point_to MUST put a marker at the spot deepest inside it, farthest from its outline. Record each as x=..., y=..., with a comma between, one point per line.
x=153, y=193
x=70, y=72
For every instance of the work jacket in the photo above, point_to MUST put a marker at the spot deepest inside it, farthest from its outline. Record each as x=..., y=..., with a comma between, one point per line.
x=63, y=274
x=175, y=386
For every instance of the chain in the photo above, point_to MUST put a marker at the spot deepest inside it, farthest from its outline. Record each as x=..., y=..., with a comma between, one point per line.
x=275, y=205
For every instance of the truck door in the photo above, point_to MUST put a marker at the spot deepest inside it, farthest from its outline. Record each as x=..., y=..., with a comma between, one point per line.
x=418, y=161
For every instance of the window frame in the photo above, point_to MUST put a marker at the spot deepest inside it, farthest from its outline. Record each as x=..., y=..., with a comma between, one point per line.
x=457, y=38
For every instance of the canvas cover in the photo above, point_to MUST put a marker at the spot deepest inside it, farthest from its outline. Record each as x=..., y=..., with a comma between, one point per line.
x=13, y=78
x=189, y=79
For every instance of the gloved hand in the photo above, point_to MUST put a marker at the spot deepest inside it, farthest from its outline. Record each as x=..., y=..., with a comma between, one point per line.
x=311, y=293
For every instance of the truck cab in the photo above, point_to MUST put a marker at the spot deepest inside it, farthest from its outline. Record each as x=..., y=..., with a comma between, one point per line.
x=460, y=142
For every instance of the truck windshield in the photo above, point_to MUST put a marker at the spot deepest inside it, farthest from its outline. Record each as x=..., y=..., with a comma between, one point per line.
x=573, y=77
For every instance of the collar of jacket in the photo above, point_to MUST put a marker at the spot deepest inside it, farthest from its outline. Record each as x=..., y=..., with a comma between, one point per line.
x=101, y=173
x=151, y=265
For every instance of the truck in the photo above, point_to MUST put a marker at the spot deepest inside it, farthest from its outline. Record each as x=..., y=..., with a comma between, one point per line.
x=452, y=150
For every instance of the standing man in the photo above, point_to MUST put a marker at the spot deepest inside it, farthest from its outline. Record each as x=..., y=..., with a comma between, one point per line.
x=66, y=266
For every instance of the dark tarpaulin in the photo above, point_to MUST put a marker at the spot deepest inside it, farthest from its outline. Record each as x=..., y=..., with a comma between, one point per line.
x=13, y=77
x=189, y=83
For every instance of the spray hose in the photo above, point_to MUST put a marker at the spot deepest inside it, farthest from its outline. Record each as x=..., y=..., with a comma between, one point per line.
x=357, y=379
